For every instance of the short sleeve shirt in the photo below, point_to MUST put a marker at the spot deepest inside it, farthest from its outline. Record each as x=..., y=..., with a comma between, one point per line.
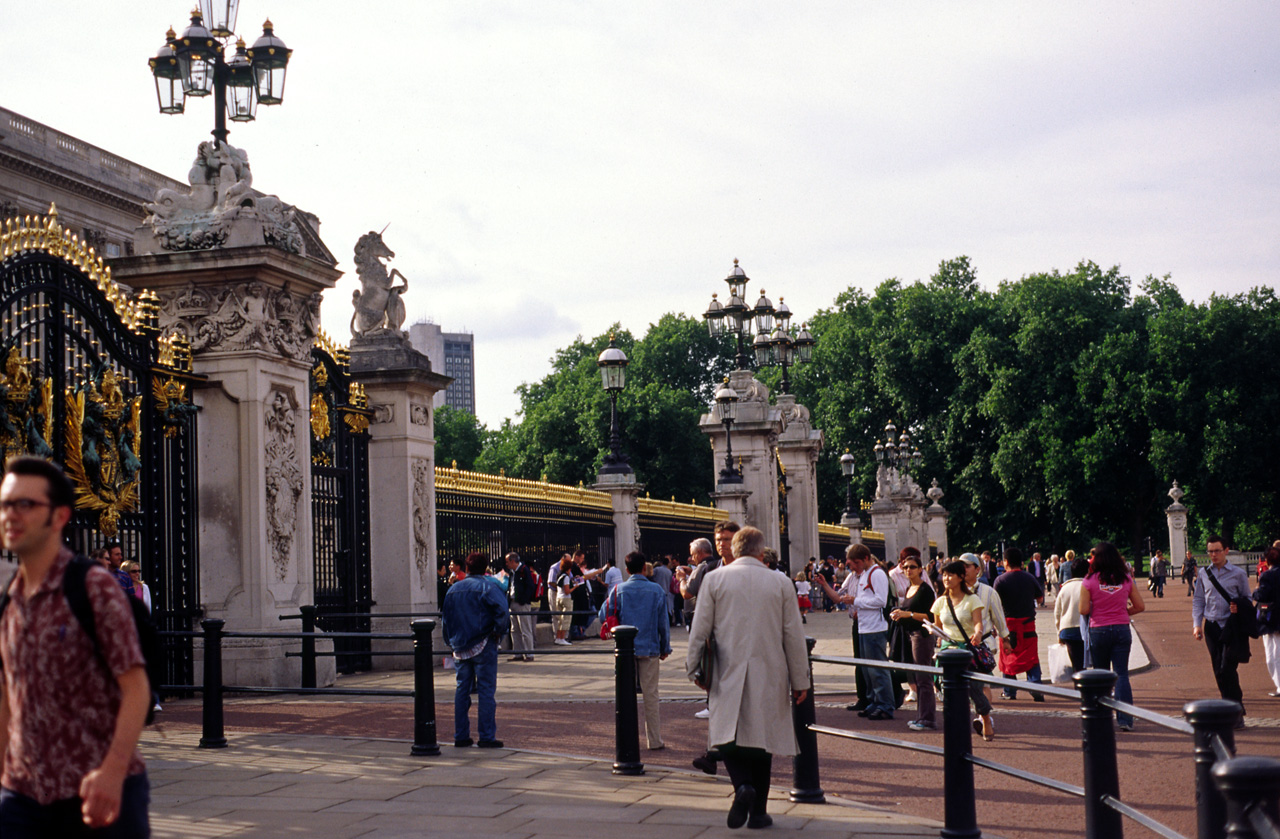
x=63, y=701
x=1110, y=604
x=964, y=611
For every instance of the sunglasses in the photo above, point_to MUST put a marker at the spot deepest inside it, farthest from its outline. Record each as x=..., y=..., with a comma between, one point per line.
x=909, y=567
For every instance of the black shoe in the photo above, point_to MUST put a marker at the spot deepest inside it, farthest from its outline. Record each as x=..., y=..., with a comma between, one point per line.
x=489, y=744
x=1037, y=697
x=865, y=712
x=1004, y=694
x=463, y=743
x=758, y=821
x=743, y=797
x=879, y=716
x=977, y=725
x=857, y=706
x=706, y=764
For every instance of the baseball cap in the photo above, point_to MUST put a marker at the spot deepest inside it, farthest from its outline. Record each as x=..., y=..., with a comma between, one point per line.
x=972, y=559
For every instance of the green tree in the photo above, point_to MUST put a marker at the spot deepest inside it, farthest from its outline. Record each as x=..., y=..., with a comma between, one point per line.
x=460, y=437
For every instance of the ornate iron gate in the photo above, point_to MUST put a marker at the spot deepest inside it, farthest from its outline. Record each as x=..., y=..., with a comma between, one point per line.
x=340, y=503
x=87, y=381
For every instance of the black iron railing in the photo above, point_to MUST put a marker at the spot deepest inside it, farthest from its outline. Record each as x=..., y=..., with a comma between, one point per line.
x=213, y=734
x=1235, y=796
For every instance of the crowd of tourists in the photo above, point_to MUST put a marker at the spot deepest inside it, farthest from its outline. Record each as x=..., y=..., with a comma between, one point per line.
x=739, y=606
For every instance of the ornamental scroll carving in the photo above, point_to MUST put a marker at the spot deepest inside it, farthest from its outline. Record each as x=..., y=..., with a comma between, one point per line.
x=422, y=517
x=247, y=316
x=284, y=480
x=419, y=414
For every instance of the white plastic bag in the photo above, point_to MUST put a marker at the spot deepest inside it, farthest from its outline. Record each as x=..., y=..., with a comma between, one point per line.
x=1059, y=664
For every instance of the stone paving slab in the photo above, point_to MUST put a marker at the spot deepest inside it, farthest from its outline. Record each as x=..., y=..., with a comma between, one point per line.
x=289, y=785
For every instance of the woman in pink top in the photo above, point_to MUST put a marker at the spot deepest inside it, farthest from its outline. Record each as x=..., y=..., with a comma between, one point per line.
x=1108, y=598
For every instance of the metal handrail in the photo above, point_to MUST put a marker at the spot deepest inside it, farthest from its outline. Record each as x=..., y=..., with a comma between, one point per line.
x=1210, y=722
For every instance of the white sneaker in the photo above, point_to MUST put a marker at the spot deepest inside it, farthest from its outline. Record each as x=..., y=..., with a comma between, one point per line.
x=704, y=714
x=563, y=642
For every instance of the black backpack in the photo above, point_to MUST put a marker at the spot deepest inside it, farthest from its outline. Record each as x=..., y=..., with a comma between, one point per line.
x=148, y=635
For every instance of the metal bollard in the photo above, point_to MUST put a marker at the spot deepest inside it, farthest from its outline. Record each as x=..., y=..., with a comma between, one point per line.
x=1101, y=774
x=1251, y=786
x=960, y=809
x=626, y=719
x=424, y=689
x=212, y=737
x=308, y=647
x=1210, y=718
x=806, y=785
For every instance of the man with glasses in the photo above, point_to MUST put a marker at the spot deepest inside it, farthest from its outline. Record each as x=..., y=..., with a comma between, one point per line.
x=1212, y=605
x=71, y=710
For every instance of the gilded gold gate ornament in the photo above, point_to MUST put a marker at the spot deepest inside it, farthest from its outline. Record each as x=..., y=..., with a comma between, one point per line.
x=103, y=437
x=26, y=409
x=319, y=417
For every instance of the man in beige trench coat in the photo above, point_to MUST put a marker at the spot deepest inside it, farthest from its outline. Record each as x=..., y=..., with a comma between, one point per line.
x=761, y=664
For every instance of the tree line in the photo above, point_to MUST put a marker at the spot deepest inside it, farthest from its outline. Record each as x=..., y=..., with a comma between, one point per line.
x=1054, y=410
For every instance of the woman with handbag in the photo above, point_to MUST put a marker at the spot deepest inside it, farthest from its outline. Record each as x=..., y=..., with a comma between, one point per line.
x=1267, y=598
x=958, y=613
x=909, y=619
x=1108, y=598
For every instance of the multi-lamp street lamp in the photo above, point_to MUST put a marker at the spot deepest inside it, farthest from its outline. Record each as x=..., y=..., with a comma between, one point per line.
x=194, y=64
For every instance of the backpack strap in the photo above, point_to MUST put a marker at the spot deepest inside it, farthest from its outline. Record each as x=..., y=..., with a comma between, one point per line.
x=77, y=594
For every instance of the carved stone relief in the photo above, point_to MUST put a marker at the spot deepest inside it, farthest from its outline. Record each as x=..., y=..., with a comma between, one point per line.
x=419, y=414
x=219, y=203
x=248, y=316
x=283, y=479
x=422, y=517
x=383, y=413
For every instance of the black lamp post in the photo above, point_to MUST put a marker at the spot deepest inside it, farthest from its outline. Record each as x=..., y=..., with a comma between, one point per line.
x=895, y=450
x=846, y=469
x=781, y=348
x=613, y=373
x=193, y=64
x=734, y=318
x=727, y=408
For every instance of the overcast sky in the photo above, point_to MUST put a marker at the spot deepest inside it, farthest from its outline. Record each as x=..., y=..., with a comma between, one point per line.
x=548, y=168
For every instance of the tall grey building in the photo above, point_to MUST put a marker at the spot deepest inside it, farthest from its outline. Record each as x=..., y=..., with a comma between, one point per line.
x=451, y=353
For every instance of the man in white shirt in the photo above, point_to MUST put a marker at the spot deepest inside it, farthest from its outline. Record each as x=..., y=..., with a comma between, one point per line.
x=866, y=590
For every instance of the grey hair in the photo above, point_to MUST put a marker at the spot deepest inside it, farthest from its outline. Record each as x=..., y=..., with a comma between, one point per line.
x=700, y=547
x=748, y=542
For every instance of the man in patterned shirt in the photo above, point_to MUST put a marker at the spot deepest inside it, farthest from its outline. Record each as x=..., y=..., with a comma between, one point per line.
x=71, y=710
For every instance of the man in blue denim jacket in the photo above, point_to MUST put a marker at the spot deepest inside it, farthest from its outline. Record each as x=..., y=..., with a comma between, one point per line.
x=473, y=618
x=642, y=603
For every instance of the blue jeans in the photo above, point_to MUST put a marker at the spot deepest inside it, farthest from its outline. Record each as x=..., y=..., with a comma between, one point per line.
x=1109, y=647
x=1033, y=676
x=481, y=672
x=22, y=817
x=874, y=645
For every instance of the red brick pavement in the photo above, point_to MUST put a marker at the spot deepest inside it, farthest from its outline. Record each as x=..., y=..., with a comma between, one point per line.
x=1155, y=765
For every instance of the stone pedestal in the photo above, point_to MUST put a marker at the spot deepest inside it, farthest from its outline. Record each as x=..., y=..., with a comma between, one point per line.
x=251, y=315
x=755, y=433
x=884, y=518
x=854, y=523
x=400, y=385
x=937, y=516
x=732, y=499
x=624, y=491
x=1176, y=514
x=798, y=446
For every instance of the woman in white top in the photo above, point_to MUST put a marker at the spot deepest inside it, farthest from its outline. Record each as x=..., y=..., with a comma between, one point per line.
x=1066, y=610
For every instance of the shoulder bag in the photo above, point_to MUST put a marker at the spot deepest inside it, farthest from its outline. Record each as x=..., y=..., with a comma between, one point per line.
x=984, y=661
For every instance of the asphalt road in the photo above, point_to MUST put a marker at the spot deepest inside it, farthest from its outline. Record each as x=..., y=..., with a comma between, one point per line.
x=1155, y=765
